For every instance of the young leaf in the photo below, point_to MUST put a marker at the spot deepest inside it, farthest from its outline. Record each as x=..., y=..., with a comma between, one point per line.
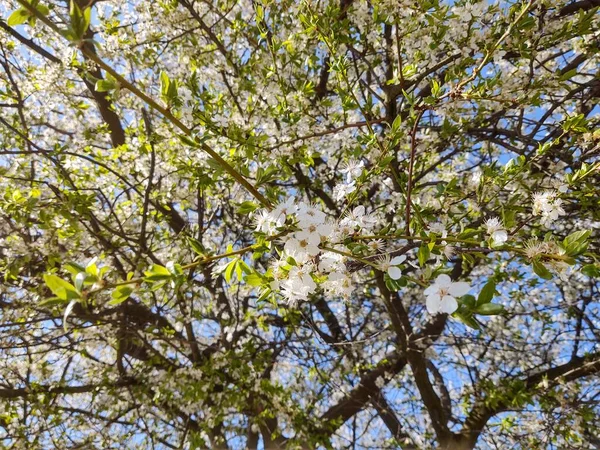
x=74, y=268
x=576, y=242
x=253, y=279
x=423, y=254
x=105, y=86
x=197, y=247
x=229, y=270
x=467, y=319
x=18, y=17
x=541, y=270
x=264, y=295
x=490, y=309
x=61, y=288
x=157, y=273
x=80, y=21
x=487, y=293
x=238, y=269
x=120, y=294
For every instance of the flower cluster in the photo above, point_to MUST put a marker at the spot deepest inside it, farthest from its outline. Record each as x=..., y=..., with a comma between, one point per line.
x=549, y=206
x=552, y=253
x=312, y=254
x=351, y=170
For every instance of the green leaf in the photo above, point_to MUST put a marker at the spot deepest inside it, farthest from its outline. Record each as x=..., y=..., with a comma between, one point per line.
x=397, y=123
x=392, y=285
x=247, y=207
x=541, y=270
x=508, y=217
x=487, y=293
x=61, y=288
x=157, y=273
x=187, y=140
x=52, y=301
x=577, y=236
x=18, y=17
x=229, y=270
x=423, y=254
x=43, y=9
x=567, y=75
x=468, y=300
x=120, y=294
x=74, y=268
x=576, y=243
x=490, y=309
x=467, y=319
x=253, y=279
x=105, y=86
x=591, y=270
x=197, y=247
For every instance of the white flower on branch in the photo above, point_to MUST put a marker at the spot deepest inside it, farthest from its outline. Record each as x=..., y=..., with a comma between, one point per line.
x=303, y=245
x=390, y=266
x=341, y=191
x=358, y=217
x=338, y=284
x=496, y=231
x=547, y=205
x=442, y=294
x=299, y=284
x=352, y=169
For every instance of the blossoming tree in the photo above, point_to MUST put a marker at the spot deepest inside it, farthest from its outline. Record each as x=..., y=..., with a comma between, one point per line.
x=299, y=224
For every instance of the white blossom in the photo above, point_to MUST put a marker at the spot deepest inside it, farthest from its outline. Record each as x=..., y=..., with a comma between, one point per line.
x=549, y=206
x=442, y=295
x=299, y=284
x=496, y=231
x=352, y=169
x=385, y=264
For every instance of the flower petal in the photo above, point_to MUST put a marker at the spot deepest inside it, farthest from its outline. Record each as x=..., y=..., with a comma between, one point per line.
x=394, y=273
x=398, y=260
x=433, y=289
x=448, y=304
x=500, y=236
x=359, y=211
x=459, y=289
x=443, y=280
x=433, y=304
